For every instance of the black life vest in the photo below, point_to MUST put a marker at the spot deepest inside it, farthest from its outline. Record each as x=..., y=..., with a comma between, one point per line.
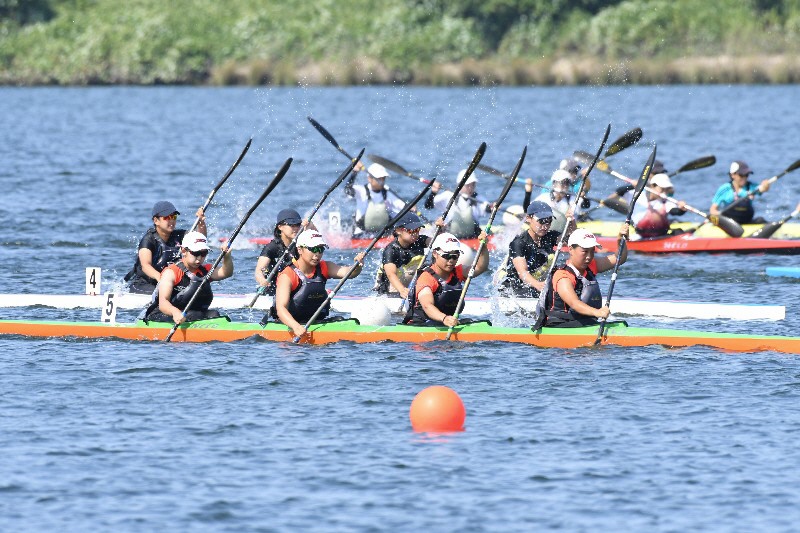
x=183, y=291
x=588, y=290
x=306, y=298
x=445, y=298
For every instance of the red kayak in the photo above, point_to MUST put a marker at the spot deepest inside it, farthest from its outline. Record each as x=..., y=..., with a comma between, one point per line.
x=341, y=242
x=688, y=243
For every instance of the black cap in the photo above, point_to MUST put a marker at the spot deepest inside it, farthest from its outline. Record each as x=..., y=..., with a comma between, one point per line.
x=288, y=216
x=539, y=210
x=409, y=221
x=162, y=209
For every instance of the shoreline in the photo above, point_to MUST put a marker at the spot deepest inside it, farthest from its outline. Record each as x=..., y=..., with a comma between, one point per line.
x=547, y=72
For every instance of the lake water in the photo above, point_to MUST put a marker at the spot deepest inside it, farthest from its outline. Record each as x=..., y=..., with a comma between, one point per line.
x=258, y=436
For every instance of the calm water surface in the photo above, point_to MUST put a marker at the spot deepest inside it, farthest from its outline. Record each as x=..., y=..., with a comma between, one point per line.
x=258, y=436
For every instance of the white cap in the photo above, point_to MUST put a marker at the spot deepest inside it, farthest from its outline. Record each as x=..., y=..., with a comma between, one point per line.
x=661, y=180
x=560, y=175
x=195, y=241
x=447, y=242
x=470, y=179
x=583, y=238
x=377, y=171
x=310, y=239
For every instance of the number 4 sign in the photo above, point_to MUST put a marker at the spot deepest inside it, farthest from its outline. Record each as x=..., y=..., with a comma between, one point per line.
x=93, y=280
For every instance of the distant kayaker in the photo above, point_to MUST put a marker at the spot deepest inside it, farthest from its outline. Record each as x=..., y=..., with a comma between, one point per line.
x=300, y=287
x=159, y=247
x=179, y=282
x=438, y=287
x=738, y=187
x=576, y=172
x=288, y=223
x=374, y=205
x=651, y=213
x=558, y=197
x=574, y=298
x=402, y=257
x=530, y=252
x=466, y=212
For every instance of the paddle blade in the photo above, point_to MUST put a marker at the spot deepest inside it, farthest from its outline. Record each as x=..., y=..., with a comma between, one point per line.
x=767, y=230
x=628, y=139
x=617, y=204
x=511, y=179
x=793, y=166
x=642, y=182
x=325, y=133
x=728, y=225
x=476, y=159
x=492, y=170
x=697, y=164
x=585, y=158
x=389, y=164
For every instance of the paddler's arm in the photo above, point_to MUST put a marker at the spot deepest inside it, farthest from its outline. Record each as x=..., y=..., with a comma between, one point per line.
x=425, y=297
x=714, y=210
x=262, y=266
x=390, y=269
x=521, y=265
x=201, y=225
x=483, y=259
x=146, y=262
x=226, y=270
x=608, y=262
x=283, y=289
x=165, y=287
x=337, y=271
x=567, y=293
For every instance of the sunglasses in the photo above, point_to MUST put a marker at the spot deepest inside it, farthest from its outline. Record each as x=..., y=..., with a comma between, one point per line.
x=201, y=253
x=545, y=221
x=316, y=249
x=450, y=257
x=173, y=216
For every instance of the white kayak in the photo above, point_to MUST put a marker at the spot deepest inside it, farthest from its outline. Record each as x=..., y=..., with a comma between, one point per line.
x=475, y=306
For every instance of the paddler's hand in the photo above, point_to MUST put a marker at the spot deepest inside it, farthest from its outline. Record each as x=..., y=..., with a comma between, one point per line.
x=299, y=331
x=624, y=231
x=603, y=312
x=439, y=222
x=360, y=258
x=528, y=185
x=450, y=321
x=262, y=289
x=177, y=316
x=436, y=187
x=403, y=293
x=201, y=214
x=359, y=167
x=764, y=187
x=483, y=236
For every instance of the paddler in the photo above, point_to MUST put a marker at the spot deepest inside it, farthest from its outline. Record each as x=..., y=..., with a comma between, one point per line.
x=159, y=247
x=438, y=287
x=574, y=298
x=463, y=218
x=288, y=223
x=374, y=206
x=651, y=213
x=179, y=282
x=530, y=252
x=738, y=187
x=402, y=257
x=576, y=173
x=300, y=287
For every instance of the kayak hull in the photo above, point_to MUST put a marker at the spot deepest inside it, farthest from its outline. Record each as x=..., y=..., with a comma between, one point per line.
x=341, y=242
x=688, y=243
x=788, y=272
x=610, y=228
x=220, y=330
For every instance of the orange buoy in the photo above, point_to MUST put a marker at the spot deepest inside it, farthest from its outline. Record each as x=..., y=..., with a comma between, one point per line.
x=437, y=409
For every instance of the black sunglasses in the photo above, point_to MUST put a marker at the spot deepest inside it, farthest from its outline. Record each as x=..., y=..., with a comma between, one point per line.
x=450, y=257
x=201, y=253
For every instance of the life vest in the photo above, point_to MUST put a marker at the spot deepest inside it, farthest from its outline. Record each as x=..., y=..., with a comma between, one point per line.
x=183, y=291
x=586, y=287
x=462, y=223
x=654, y=222
x=445, y=298
x=377, y=215
x=306, y=298
x=166, y=253
x=410, y=258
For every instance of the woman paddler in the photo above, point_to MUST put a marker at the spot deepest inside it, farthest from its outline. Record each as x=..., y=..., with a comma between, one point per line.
x=438, y=288
x=159, y=247
x=651, y=213
x=738, y=187
x=402, y=257
x=300, y=287
x=529, y=253
x=374, y=207
x=463, y=218
x=574, y=298
x=180, y=281
x=288, y=223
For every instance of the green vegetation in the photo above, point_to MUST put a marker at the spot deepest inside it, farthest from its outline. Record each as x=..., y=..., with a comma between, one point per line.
x=398, y=41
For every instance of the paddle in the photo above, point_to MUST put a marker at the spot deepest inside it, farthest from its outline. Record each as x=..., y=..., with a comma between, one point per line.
x=325, y=133
x=396, y=168
x=728, y=225
x=773, y=179
x=767, y=230
x=470, y=169
x=274, y=271
x=482, y=244
x=629, y=138
x=538, y=313
x=278, y=177
x=223, y=180
x=391, y=223
x=697, y=164
x=607, y=202
x=637, y=191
